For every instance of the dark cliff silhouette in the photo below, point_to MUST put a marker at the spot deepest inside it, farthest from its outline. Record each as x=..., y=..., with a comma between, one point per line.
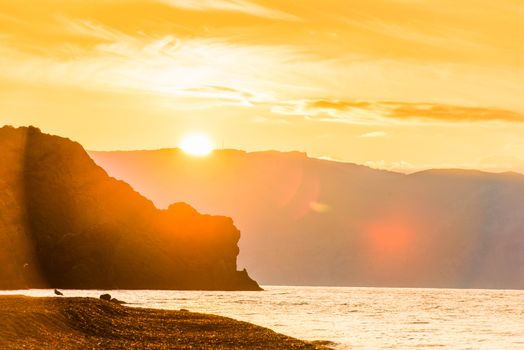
x=308, y=221
x=64, y=223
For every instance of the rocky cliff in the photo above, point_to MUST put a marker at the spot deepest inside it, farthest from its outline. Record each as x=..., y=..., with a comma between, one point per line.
x=65, y=223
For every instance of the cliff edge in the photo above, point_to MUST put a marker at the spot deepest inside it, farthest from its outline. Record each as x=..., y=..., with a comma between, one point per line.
x=64, y=223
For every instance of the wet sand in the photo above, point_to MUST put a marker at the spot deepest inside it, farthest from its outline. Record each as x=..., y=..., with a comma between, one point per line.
x=81, y=323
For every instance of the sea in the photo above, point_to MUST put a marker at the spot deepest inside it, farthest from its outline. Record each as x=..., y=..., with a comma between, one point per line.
x=354, y=318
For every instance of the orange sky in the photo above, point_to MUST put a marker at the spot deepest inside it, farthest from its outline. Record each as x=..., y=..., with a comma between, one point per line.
x=397, y=84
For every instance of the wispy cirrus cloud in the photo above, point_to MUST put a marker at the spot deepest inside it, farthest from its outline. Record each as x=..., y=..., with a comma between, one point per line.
x=208, y=69
x=224, y=93
x=334, y=111
x=240, y=6
x=387, y=112
x=90, y=29
x=217, y=69
x=451, y=113
x=374, y=134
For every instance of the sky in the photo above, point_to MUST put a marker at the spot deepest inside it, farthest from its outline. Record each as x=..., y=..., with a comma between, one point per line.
x=395, y=84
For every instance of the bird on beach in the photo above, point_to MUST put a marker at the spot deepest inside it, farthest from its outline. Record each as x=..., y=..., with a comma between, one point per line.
x=57, y=292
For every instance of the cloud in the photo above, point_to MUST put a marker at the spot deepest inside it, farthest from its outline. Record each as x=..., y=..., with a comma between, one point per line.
x=237, y=96
x=336, y=104
x=451, y=113
x=388, y=112
x=374, y=134
x=333, y=111
x=89, y=29
x=165, y=65
x=241, y=6
x=286, y=67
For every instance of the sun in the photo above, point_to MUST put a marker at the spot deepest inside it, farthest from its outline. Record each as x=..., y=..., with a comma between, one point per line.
x=197, y=144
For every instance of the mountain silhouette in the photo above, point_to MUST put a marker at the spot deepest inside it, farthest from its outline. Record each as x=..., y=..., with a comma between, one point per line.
x=308, y=221
x=64, y=223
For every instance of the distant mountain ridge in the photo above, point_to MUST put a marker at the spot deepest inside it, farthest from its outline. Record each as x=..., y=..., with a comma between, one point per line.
x=308, y=221
x=65, y=223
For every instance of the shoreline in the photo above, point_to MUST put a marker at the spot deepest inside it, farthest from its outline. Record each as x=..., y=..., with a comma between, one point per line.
x=73, y=323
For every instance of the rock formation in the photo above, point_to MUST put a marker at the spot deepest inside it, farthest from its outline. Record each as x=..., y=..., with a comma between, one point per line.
x=65, y=223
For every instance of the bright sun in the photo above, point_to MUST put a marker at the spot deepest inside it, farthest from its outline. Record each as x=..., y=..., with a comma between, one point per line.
x=197, y=144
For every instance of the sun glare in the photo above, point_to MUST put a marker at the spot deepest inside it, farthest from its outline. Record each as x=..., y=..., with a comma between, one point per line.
x=197, y=144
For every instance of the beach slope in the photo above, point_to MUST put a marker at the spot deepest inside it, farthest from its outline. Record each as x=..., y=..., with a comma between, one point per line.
x=76, y=323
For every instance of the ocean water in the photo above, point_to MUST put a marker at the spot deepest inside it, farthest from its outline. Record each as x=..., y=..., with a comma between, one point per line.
x=356, y=318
